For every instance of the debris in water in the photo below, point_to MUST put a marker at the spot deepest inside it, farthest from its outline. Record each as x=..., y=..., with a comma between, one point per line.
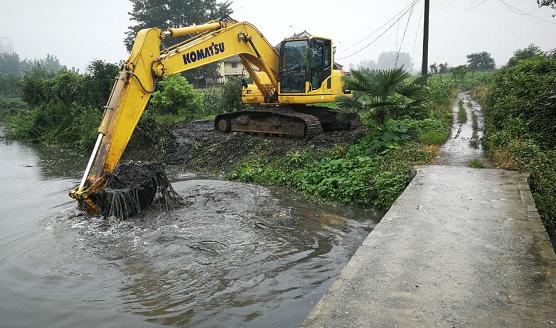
x=133, y=187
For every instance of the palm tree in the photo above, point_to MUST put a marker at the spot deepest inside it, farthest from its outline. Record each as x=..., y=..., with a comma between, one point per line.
x=383, y=91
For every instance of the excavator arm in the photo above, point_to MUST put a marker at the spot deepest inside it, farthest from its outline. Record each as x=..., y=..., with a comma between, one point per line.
x=146, y=64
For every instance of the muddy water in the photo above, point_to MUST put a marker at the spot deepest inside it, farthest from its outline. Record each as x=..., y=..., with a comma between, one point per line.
x=234, y=255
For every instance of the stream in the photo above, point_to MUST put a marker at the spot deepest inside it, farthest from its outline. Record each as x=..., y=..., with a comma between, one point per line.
x=234, y=255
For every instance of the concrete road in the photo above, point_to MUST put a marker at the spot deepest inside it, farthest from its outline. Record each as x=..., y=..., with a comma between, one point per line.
x=461, y=247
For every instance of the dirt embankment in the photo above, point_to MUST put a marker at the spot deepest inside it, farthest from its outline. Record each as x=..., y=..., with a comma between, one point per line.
x=197, y=147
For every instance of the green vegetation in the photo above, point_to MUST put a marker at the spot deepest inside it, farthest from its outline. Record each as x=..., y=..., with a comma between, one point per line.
x=377, y=168
x=384, y=93
x=481, y=61
x=477, y=163
x=177, y=98
x=64, y=108
x=462, y=114
x=474, y=142
x=520, y=125
x=176, y=101
x=369, y=172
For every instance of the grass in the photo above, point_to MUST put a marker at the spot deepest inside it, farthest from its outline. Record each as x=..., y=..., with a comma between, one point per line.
x=474, y=121
x=433, y=137
x=462, y=114
x=475, y=142
x=349, y=174
x=477, y=163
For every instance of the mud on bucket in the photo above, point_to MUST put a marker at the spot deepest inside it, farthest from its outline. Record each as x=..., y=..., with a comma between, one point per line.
x=133, y=187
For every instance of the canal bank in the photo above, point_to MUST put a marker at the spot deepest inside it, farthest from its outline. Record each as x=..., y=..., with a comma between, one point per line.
x=461, y=247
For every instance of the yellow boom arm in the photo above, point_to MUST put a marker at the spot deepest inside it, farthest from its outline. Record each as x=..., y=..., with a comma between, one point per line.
x=147, y=63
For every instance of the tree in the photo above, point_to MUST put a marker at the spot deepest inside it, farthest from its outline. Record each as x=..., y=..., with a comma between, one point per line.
x=433, y=69
x=99, y=82
x=10, y=64
x=177, y=13
x=443, y=68
x=383, y=92
x=481, y=61
x=531, y=51
x=547, y=3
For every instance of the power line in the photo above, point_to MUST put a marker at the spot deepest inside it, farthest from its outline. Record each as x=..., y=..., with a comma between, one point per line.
x=402, y=12
x=472, y=5
x=416, y=36
x=403, y=37
x=523, y=13
x=380, y=35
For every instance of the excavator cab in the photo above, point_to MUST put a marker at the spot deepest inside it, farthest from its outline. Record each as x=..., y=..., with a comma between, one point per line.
x=304, y=65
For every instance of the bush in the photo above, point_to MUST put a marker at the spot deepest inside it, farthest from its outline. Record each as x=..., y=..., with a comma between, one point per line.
x=9, y=85
x=524, y=92
x=64, y=107
x=57, y=124
x=176, y=96
x=520, y=124
x=230, y=100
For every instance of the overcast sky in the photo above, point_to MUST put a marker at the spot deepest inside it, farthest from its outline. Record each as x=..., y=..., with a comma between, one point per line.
x=77, y=31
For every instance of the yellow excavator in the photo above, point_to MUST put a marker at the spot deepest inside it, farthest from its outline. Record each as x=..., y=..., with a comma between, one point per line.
x=285, y=80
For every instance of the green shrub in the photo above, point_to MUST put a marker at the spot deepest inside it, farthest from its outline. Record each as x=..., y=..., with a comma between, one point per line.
x=177, y=96
x=462, y=114
x=476, y=164
x=520, y=124
x=230, y=100
x=524, y=92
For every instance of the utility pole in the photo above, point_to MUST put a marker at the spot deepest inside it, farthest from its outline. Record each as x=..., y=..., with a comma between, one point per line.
x=425, y=65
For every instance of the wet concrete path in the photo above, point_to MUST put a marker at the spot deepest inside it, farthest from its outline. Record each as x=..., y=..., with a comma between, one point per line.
x=463, y=145
x=461, y=247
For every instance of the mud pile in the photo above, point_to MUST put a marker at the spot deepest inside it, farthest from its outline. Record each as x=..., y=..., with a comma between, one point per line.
x=199, y=148
x=133, y=187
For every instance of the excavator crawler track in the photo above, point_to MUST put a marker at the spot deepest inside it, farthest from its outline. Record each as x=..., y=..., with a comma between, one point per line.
x=276, y=122
x=294, y=122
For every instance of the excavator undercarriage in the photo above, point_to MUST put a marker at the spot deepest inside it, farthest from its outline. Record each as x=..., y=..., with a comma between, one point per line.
x=296, y=121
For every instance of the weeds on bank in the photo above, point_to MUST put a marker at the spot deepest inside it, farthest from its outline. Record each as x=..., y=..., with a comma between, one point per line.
x=462, y=114
x=477, y=164
x=475, y=142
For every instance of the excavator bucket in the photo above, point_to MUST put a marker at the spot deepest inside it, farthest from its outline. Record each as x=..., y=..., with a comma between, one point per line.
x=134, y=187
